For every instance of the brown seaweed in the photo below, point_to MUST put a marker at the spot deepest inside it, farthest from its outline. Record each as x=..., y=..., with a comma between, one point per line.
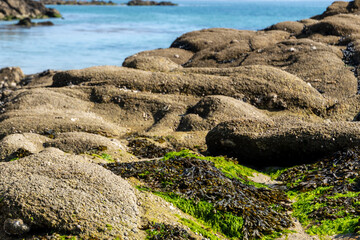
x=200, y=180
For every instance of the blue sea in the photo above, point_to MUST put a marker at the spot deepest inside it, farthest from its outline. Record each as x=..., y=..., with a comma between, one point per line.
x=106, y=35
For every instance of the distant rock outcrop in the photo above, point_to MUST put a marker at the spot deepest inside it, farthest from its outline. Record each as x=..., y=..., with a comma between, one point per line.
x=149, y=3
x=73, y=2
x=19, y=9
x=26, y=22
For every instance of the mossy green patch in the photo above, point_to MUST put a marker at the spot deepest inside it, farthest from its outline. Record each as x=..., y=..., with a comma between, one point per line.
x=224, y=222
x=107, y=157
x=321, y=216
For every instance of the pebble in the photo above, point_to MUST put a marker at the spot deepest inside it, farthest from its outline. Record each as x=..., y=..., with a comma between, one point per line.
x=15, y=227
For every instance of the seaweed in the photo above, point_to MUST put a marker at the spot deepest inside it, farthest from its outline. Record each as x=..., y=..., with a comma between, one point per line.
x=163, y=231
x=326, y=193
x=200, y=181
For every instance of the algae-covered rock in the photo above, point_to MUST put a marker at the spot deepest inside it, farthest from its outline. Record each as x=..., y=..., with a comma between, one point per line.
x=263, y=144
x=66, y=194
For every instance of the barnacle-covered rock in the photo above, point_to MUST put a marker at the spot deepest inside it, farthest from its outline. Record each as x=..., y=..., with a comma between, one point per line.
x=264, y=144
x=63, y=193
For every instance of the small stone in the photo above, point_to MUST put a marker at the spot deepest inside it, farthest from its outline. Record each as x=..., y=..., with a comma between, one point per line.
x=15, y=227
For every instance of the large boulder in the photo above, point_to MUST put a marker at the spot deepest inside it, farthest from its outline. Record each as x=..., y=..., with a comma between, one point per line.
x=225, y=47
x=64, y=194
x=18, y=9
x=47, y=112
x=212, y=110
x=262, y=144
x=316, y=63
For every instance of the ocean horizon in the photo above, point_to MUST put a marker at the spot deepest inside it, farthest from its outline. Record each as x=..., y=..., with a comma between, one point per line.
x=105, y=35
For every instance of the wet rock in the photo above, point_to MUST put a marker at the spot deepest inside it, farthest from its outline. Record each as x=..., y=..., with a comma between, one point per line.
x=263, y=144
x=149, y=148
x=64, y=193
x=199, y=180
x=15, y=227
x=26, y=22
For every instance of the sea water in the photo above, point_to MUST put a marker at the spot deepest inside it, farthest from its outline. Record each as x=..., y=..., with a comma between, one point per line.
x=105, y=35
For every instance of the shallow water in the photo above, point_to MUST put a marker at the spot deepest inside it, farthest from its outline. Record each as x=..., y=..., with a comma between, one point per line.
x=106, y=35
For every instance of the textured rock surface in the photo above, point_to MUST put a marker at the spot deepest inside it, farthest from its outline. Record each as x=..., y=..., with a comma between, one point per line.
x=11, y=9
x=262, y=144
x=66, y=194
x=263, y=86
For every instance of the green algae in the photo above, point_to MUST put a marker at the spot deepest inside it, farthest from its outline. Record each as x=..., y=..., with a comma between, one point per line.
x=224, y=222
x=157, y=231
x=221, y=201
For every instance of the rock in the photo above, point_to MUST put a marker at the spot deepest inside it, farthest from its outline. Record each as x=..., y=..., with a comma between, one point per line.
x=263, y=144
x=21, y=145
x=149, y=3
x=177, y=55
x=63, y=193
x=212, y=110
x=19, y=9
x=316, y=63
x=43, y=79
x=15, y=227
x=11, y=74
x=26, y=22
x=339, y=7
x=263, y=86
x=221, y=38
x=294, y=28
x=152, y=63
x=47, y=112
x=339, y=25
x=73, y=2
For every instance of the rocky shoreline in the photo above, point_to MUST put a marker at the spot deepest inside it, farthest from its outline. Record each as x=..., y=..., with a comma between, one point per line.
x=150, y=3
x=137, y=152
x=19, y=9
x=73, y=2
